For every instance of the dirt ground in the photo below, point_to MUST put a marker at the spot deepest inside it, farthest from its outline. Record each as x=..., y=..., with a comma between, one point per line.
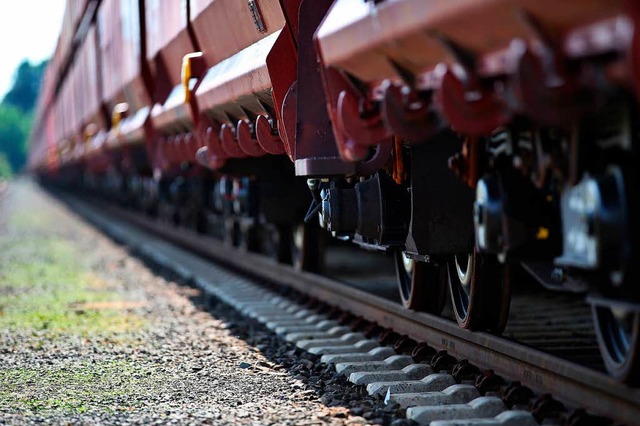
x=89, y=334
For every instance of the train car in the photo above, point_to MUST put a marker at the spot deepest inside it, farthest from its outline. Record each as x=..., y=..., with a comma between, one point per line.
x=466, y=138
x=536, y=100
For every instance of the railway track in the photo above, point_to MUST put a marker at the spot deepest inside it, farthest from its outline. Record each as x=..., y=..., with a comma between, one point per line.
x=556, y=366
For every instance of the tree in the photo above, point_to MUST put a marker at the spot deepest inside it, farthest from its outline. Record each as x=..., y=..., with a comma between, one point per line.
x=5, y=167
x=26, y=86
x=16, y=115
x=14, y=130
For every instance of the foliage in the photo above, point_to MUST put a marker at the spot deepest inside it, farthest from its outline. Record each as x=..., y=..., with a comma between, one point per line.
x=14, y=130
x=26, y=86
x=99, y=386
x=16, y=116
x=5, y=167
x=51, y=297
x=44, y=285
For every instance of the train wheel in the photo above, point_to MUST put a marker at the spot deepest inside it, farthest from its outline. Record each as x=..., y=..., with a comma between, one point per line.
x=167, y=213
x=276, y=242
x=249, y=238
x=480, y=291
x=193, y=218
x=307, y=247
x=231, y=232
x=422, y=285
x=617, y=331
x=216, y=226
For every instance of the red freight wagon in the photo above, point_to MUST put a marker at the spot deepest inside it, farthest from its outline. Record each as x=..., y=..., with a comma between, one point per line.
x=44, y=104
x=37, y=145
x=235, y=91
x=464, y=138
x=75, y=11
x=382, y=42
x=60, y=122
x=77, y=105
x=47, y=89
x=51, y=157
x=70, y=20
x=122, y=67
x=91, y=119
x=68, y=116
x=168, y=41
x=55, y=63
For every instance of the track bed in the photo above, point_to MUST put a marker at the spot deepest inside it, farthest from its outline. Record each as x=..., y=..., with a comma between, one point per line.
x=559, y=358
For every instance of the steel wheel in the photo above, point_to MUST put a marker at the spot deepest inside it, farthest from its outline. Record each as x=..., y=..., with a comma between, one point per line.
x=422, y=285
x=480, y=291
x=276, y=242
x=617, y=331
x=249, y=237
x=307, y=244
x=216, y=226
x=231, y=232
x=167, y=213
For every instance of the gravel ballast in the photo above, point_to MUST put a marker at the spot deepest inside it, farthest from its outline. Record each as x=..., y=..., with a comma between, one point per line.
x=89, y=334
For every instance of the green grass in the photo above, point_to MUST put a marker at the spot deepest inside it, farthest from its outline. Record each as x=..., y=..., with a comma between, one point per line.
x=43, y=284
x=43, y=287
x=104, y=386
x=49, y=292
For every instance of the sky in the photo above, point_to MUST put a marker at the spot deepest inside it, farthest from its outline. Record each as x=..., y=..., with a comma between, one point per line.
x=28, y=30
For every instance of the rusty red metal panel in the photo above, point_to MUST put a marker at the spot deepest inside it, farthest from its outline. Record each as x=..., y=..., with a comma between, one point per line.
x=291, y=9
x=65, y=117
x=67, y=32
x=168, y=40
x=57, y=117
x=165, y=21
x=224, y=27
x=48, y=135
x=55, y=63
x=76, y=10
x=315, y=146
x=67, y=112
x=76, y=102
x=72, y=108
x=47, y=88
x=241, y=75
x=236, y=37
x=86, y=61
x=364, y=38
x=282, y=64
x=37, y=145
x=73, y=13
x=174, y=113
x=87, y=58
x=441, y=56
x=120, y=48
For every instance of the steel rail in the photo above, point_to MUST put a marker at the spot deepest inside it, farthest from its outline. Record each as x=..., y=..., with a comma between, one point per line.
x=570, y=383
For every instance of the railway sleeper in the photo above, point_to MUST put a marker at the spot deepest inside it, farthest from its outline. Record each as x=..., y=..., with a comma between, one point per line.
x=425, y=381
x=383, y=372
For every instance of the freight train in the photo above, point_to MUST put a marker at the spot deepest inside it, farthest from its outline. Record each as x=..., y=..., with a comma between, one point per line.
x=463, y=137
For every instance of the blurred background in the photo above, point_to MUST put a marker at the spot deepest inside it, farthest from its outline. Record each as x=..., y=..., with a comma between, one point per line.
x=29, y=31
